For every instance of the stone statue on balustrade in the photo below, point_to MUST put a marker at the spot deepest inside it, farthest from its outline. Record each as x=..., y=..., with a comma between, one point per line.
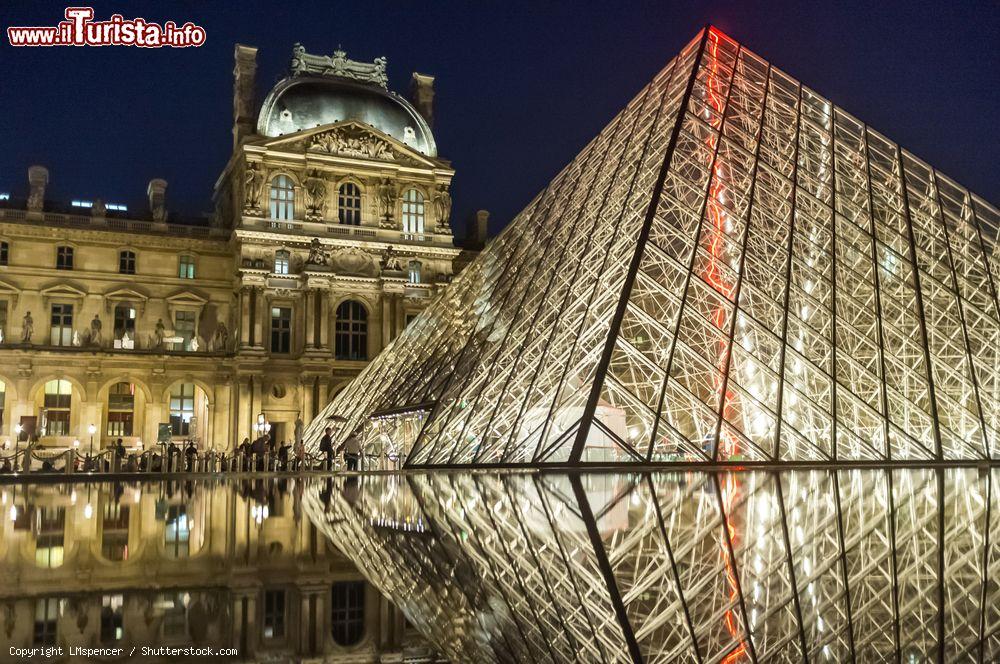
x=220, y=341
x=159, y=334
x=95, y=331
x=390, y=261
x=27, y=328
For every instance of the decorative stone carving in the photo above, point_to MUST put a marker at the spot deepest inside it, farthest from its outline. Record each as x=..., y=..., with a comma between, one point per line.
x=96, y=326
x=385, y=202
x=352, y=141
x=338, y=65
x=354, y=261
x=390, y=261
x=318, y=255
x=38, y=178
x=253, y=187
x=98, y=210
x=159, y=334
x=442, y=209
x=220, y=340
x=315, y=190
x=27, y=328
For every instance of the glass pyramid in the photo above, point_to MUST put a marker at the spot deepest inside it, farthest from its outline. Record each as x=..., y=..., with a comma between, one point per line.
x=733, y=270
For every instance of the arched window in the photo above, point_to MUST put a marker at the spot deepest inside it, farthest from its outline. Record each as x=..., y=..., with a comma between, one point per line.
x=124, y=322
x=126, y=262
x=415, y=272
x=58, y=399
x=181, y=408
x=121, y=408
x=351, y=341
x=413, y=211
x=349, y=204
x=281, y=260
x=282, y=198
x=347, y=612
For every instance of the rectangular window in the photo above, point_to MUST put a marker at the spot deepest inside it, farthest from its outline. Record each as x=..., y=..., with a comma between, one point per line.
x=274, y=614
x=62, y=325
x=410, y=318
x=124, y=322
x=46, y=620
x=64, y=258
x=4, y=253
x=415, y=272
x=50, y=541
x=3, y=321
x=114, y=534
x=184, y=328
x=181, y=409
x=281, y=330
x=57, y=403
x=281, y=260
x=347, y=612
x=126, y=262
x=185, y=267
x=177, y=536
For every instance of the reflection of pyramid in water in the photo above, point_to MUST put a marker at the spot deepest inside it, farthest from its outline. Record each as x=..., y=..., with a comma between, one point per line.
x=733, y=269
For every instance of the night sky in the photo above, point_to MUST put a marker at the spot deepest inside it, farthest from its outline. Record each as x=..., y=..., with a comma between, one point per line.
x=521, y=86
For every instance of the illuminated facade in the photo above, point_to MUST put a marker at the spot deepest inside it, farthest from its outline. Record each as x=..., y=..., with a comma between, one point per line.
x=732, y=270
x=330, y=233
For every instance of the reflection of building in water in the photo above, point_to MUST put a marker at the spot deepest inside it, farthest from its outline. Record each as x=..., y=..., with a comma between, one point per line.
x=225, y=565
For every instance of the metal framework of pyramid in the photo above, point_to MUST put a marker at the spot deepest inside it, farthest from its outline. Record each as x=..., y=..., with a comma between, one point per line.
x=733, y=270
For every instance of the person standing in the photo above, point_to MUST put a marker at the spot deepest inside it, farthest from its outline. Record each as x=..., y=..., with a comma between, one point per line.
x=352, y=450
x=326, y=447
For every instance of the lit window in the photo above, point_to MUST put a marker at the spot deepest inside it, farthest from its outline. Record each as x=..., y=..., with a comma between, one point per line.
x=126, y=262
x=4, y=197
x=414, y=272
x=4, y=253
x=46, y=621
x=184, y=327
x=58, y=400
x=349, y=204
x=114, y=531
x=185, y=267
x=181, y=408
x=124, y=321
x=64, y=258
x=121, y=407
x=281, y=330
x=50, y=540
x=282, y=198
x=117, y=207
x=347, y=612
x=82, y=204
x=413, y=211
x=281, y=260
x=351, y=342
x=61, y=333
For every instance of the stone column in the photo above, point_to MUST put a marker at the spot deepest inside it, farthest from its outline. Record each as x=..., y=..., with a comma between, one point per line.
x=258, y=324
x=324, y=319
x=244, y=303
x=309, y=317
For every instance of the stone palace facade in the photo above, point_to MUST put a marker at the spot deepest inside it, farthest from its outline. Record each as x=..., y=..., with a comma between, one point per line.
x=330, y=233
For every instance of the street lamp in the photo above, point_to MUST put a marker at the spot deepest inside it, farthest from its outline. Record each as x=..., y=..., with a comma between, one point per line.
x=91, y=430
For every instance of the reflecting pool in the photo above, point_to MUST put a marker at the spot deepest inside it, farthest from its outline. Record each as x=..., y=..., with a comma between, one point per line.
x=829, y=565
x=821, y=565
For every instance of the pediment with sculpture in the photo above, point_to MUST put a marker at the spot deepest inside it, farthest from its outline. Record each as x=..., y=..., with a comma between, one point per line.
x=352, y=139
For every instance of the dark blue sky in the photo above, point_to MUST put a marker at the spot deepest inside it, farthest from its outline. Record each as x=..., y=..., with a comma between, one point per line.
x=521, y=87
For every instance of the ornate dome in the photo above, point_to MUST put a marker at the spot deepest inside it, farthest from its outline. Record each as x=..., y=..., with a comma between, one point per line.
x=307, y=101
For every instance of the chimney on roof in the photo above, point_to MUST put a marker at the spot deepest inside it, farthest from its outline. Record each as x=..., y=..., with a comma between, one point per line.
x=38, y=178
x=422, y=95
x=475, y=235
x=157, y=193
x=244, y=89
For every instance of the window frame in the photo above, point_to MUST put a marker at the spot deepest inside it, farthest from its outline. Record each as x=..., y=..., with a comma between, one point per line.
x=282, y=261
x=351, y=331
x=347, y=612
x=281, y=329
x=126, y=261
x=186, y=261
x=281, y=198
x=414, y=211
x=64, y=327
x=65, y=257
x=349, y=205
